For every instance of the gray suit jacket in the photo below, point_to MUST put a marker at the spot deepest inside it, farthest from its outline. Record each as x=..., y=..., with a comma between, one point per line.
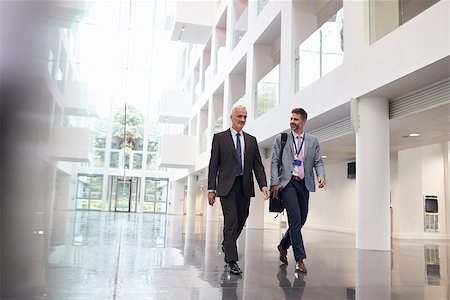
x=312, y=161
x=223, y=165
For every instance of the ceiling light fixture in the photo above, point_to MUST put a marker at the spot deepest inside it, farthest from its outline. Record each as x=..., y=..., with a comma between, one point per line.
x=414, y=134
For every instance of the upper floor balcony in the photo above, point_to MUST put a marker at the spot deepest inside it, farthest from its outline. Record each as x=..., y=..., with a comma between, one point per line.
x=174, y=107
x=193, y=21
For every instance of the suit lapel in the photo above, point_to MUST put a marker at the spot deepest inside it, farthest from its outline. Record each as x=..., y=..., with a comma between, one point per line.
x=229, y=141
x=306, y=144
x=290, y=143
x=246, y=147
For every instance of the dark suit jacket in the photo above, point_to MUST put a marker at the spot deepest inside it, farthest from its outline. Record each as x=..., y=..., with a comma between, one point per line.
x=223, y=164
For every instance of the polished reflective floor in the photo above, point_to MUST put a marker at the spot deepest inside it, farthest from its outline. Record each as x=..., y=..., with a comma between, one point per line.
x=102, y=255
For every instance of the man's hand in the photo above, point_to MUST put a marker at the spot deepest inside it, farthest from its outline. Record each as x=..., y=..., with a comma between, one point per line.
x=321, y=182
x=266, y=193
x=274, y=190
x=211, y=198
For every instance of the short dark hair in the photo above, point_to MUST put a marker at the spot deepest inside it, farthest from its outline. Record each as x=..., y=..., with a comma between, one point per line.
x=301, y=112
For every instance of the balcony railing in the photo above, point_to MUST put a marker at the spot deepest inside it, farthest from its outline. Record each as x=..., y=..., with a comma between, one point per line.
x=218, y=125
x=240, y=28
x=267, y=93
x=321, y=53
x=386, y=16
x=197, y=92
x=203, y=141
x=222, y=59
x=260, y=5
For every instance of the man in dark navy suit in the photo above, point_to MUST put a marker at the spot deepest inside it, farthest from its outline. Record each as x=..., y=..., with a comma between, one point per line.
x=234, y=158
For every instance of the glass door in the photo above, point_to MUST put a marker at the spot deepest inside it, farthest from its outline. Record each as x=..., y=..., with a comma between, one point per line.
x=124, y=194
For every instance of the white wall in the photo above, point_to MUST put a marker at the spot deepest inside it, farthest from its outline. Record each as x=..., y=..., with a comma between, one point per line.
x=420, y=172
x=333, y=207
x=175, y=203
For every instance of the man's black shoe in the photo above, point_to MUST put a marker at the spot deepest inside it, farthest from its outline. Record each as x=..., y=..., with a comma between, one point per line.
x=234, y=268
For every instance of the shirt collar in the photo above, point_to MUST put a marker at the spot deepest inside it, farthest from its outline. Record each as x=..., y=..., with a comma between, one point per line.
x=296, y=135
x=234, y=132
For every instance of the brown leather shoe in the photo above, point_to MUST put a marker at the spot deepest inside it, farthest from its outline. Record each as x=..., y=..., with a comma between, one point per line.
x=300, y=267
x=283, y=255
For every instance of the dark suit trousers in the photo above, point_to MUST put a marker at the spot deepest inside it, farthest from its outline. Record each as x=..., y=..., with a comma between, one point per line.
x=235, y=208
x=295, y=199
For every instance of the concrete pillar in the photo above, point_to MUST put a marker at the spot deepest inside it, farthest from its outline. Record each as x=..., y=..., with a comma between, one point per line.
x=190, y=204
x=255, y=218
x=373, y=227
x=373, y=275
x=253, y=260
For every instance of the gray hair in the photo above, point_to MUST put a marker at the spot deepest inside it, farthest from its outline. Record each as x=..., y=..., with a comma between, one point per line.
x=233, y=110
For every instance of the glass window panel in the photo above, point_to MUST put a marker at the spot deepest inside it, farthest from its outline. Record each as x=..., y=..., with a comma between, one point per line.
x=95, y=204
x=83, y=187
x=137, y=161
x=114, y=160
x=155, y=197
x=100, y=129
x=152, y=146
x=126, y=164
x=151, y=161
x=320, y=53
x=82, y=203
x=149, y=207
x=160, y=207
x=267, y=92
x=99, y=158
x=96, y=187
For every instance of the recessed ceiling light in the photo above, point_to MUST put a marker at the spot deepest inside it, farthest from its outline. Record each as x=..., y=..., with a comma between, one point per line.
x=324, y=156
x=413, y=134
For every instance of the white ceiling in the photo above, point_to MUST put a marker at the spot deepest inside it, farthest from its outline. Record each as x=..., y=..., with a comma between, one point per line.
x=433, y=126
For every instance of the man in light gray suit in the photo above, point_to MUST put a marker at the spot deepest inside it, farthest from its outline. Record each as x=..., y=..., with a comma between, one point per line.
x=294, y=175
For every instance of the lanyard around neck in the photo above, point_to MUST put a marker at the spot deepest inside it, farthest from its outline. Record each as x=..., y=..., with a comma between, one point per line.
x=295, y=144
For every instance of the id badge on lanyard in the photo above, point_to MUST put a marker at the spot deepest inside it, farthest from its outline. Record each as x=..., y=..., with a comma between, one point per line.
x=297, y=162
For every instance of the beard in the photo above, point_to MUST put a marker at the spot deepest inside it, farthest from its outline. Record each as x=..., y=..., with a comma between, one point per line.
x=294, y=126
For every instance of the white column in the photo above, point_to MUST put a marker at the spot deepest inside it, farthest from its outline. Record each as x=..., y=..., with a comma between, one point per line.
x=373, y=228
x=212, y=212
x=255, y=218
x=373, y=275
x=254, y=262
x=446, y=214
x=190, y=204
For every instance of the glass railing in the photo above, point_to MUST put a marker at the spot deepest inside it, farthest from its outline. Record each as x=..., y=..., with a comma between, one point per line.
x=386, y=16
x=197, y=92
x=240, y=28
x=222, y=59
x=267, y=95
x=203, y=141
x=320, y=53
x=207, y=77
x=218, y=125
x=260, y=5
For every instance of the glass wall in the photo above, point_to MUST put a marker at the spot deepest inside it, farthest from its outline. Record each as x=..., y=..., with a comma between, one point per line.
x=260, y=5
x=320, y=53
x=89, y=191
x=113, y=79
x=240, y=27
x=156, y=191
x=267, y=91
x=385, y=16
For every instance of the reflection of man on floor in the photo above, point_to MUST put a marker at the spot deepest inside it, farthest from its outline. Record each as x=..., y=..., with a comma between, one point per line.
x=229, y=285
x=291, y=291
